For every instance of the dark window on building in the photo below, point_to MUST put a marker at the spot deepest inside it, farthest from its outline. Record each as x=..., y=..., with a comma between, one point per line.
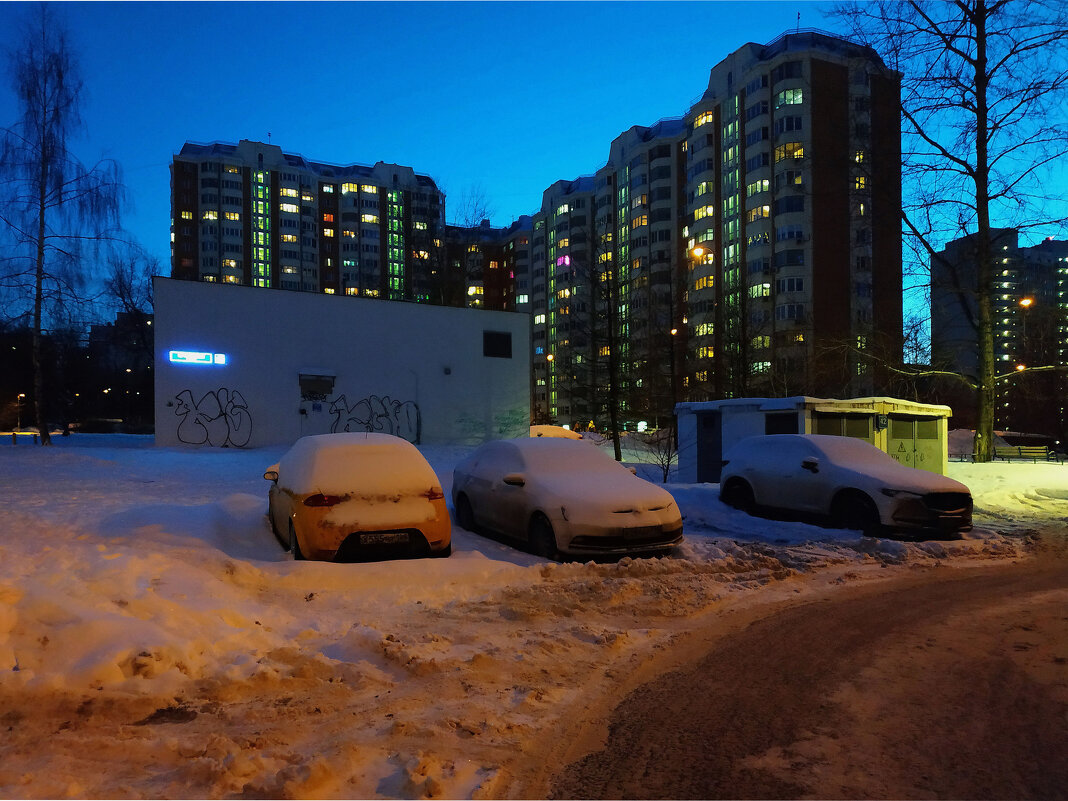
x=789, y=203
x=780, y=423
x=497, y=344
x=791, y=69
x=315, y=387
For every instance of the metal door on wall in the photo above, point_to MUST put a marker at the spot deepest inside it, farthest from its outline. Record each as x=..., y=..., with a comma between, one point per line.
x=709, y=446
x=913, y=441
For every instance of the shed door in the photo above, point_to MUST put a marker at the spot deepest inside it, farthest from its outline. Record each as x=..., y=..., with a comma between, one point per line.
x=709, y=446
x=913, y=440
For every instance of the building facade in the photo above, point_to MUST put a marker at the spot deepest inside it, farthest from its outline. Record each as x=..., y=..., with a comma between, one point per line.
x=341, y=364
x=250, y=214
x=1030, y=316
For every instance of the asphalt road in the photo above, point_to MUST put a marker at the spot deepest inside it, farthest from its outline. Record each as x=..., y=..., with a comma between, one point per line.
x=947, y=683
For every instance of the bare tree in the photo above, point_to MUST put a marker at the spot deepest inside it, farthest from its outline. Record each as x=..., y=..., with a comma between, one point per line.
x=128, y=290
x=982, y=105
x=52, y=207
x=472, y=207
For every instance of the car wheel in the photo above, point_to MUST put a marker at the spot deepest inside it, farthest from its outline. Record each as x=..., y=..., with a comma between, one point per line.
x=738, y=494
x=294, y=544
x=443, y=553
x=856, y=511
x=542, y=538
x=465, y=516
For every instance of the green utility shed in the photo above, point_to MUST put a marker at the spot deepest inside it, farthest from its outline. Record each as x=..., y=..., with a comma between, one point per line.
x=913, y=433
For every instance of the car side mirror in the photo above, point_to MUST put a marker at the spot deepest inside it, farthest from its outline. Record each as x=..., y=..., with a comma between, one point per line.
x=812, y=464
x=514, y=480
x=271, y=475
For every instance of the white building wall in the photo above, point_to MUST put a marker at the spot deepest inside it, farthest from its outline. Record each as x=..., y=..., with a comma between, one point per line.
x=414, y=370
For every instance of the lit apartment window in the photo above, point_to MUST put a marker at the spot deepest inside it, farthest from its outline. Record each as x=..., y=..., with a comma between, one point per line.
x=420, y=226
x=328, y=232
x=286, y=192
x=328, y=218
x=758, y=186
x=289, y=237
x=788, y=97
x=232, y=215
x=328, y=188
x=789, y=150
x=232, y=169
x=369, y=218
x=291, y=208
x=368, y=189
x=187, y=215
x=346, y=188
x=860, y=182
x=859, y=156
x=351, y=290
x=703, y=119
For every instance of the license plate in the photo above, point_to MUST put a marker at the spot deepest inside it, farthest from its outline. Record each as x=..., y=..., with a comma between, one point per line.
x=384, y=538
x=641, y=533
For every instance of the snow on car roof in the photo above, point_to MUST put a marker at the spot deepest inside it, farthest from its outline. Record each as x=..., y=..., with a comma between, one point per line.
x=337, y=464
x=554, y=431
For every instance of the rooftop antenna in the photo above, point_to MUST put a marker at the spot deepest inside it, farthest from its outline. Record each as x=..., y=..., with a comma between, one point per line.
x=799, y=22
x=269, y=133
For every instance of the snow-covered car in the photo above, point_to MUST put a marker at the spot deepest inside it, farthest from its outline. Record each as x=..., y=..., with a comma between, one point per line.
x=563, y=496
x=854, y=483
x=349, y=496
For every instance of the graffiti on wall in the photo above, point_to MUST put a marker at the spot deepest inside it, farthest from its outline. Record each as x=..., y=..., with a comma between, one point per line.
x=221, y=418
x=383, y=415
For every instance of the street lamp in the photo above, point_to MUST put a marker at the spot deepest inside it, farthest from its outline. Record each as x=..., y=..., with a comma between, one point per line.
x=18, y=410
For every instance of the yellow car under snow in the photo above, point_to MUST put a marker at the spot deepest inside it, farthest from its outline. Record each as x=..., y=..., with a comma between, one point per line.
x=348, y=497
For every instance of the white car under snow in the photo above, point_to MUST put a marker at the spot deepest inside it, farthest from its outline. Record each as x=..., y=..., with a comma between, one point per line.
x=563, y=496
x=854, y=483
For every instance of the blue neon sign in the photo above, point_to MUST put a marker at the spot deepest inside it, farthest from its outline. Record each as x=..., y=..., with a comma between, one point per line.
x=196, y=357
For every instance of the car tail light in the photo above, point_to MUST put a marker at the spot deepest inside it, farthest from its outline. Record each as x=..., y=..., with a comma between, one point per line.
x=435, y=494
x=322, y=500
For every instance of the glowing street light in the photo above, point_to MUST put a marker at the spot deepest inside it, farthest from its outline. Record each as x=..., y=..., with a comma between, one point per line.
x=18, y=409
x=1026, y=302
x=1021, y=367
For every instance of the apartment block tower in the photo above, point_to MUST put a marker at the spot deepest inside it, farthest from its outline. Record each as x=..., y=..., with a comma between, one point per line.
x=1030, y=316
x=749, y=247
x=251, y=214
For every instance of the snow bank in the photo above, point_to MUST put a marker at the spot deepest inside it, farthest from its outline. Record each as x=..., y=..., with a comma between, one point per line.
x=151, y=575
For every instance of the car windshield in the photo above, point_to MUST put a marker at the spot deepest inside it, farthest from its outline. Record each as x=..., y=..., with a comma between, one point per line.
x=847, y=450
x=566, y=456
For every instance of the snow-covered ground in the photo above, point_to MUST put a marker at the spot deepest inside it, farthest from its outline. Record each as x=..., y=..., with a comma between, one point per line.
x=146, y=606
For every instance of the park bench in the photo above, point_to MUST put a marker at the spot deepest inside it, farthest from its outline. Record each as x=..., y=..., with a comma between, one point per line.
x=1034, y=453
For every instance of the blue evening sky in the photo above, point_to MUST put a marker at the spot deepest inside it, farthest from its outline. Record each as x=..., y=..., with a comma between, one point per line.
x=507, y=96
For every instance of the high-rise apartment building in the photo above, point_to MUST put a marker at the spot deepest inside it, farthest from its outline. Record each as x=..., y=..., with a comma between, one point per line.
x=251, y=214
x=750, y=247
x=1030, y=328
